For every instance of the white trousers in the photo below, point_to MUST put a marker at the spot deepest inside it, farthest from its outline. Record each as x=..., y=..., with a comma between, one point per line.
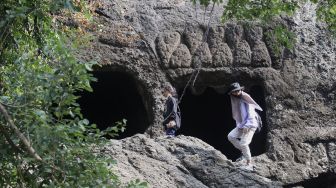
x=241, y=141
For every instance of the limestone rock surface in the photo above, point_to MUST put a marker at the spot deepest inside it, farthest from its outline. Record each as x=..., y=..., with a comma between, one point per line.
x=159, y=41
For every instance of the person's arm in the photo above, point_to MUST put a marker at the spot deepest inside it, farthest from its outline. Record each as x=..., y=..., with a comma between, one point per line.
x=244, y=108
x=249, y=117
x=167, y=115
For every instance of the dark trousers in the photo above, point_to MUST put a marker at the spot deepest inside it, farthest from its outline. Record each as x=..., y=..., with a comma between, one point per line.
x=170, y=131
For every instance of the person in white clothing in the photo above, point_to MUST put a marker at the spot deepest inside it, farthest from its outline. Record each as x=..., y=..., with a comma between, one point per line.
x=243, y=112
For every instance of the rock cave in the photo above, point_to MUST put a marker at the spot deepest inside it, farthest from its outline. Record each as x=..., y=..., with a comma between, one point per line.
x=155, y=42
x=115, y=97
x=208, y=116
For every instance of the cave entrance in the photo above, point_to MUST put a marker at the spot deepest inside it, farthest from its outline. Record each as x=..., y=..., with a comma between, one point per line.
x=208, y=116
x=115, y=97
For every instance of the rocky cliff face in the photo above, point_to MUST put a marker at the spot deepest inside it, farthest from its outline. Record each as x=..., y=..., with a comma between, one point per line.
x=159, y=41
x=179, y=162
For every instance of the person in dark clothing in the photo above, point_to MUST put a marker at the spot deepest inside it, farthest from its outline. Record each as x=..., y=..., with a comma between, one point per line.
x=171, y=114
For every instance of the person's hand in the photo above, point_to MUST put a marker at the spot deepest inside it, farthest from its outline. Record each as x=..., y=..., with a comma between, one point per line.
x=244, y=130
x=171, y=124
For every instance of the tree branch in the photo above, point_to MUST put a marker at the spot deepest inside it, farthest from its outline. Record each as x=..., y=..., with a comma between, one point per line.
x=23, y=139
x=9, y=140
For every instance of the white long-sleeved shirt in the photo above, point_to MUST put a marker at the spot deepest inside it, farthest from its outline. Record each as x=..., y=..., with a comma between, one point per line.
x=248, y=114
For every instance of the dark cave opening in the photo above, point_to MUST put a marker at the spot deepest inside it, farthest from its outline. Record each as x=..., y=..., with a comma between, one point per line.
x=208, y=116
x=325, y=180
x=115, y=97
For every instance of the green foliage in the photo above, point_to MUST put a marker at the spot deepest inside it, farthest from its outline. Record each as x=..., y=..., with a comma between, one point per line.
x=279, y=38
x=137, y=184
x=114, y=131
x=39, y=79
x=327, y=11
x=264, y=12
x=207, y=2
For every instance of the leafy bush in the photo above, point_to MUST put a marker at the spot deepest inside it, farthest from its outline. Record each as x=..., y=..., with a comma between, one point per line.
x=45, y=142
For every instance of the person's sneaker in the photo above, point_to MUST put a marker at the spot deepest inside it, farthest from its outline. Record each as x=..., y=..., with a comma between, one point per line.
x=241, y=158
x=248, y=167
x=170, y=136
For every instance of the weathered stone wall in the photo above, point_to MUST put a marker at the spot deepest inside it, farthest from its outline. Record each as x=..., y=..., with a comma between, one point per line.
x=161, y=41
